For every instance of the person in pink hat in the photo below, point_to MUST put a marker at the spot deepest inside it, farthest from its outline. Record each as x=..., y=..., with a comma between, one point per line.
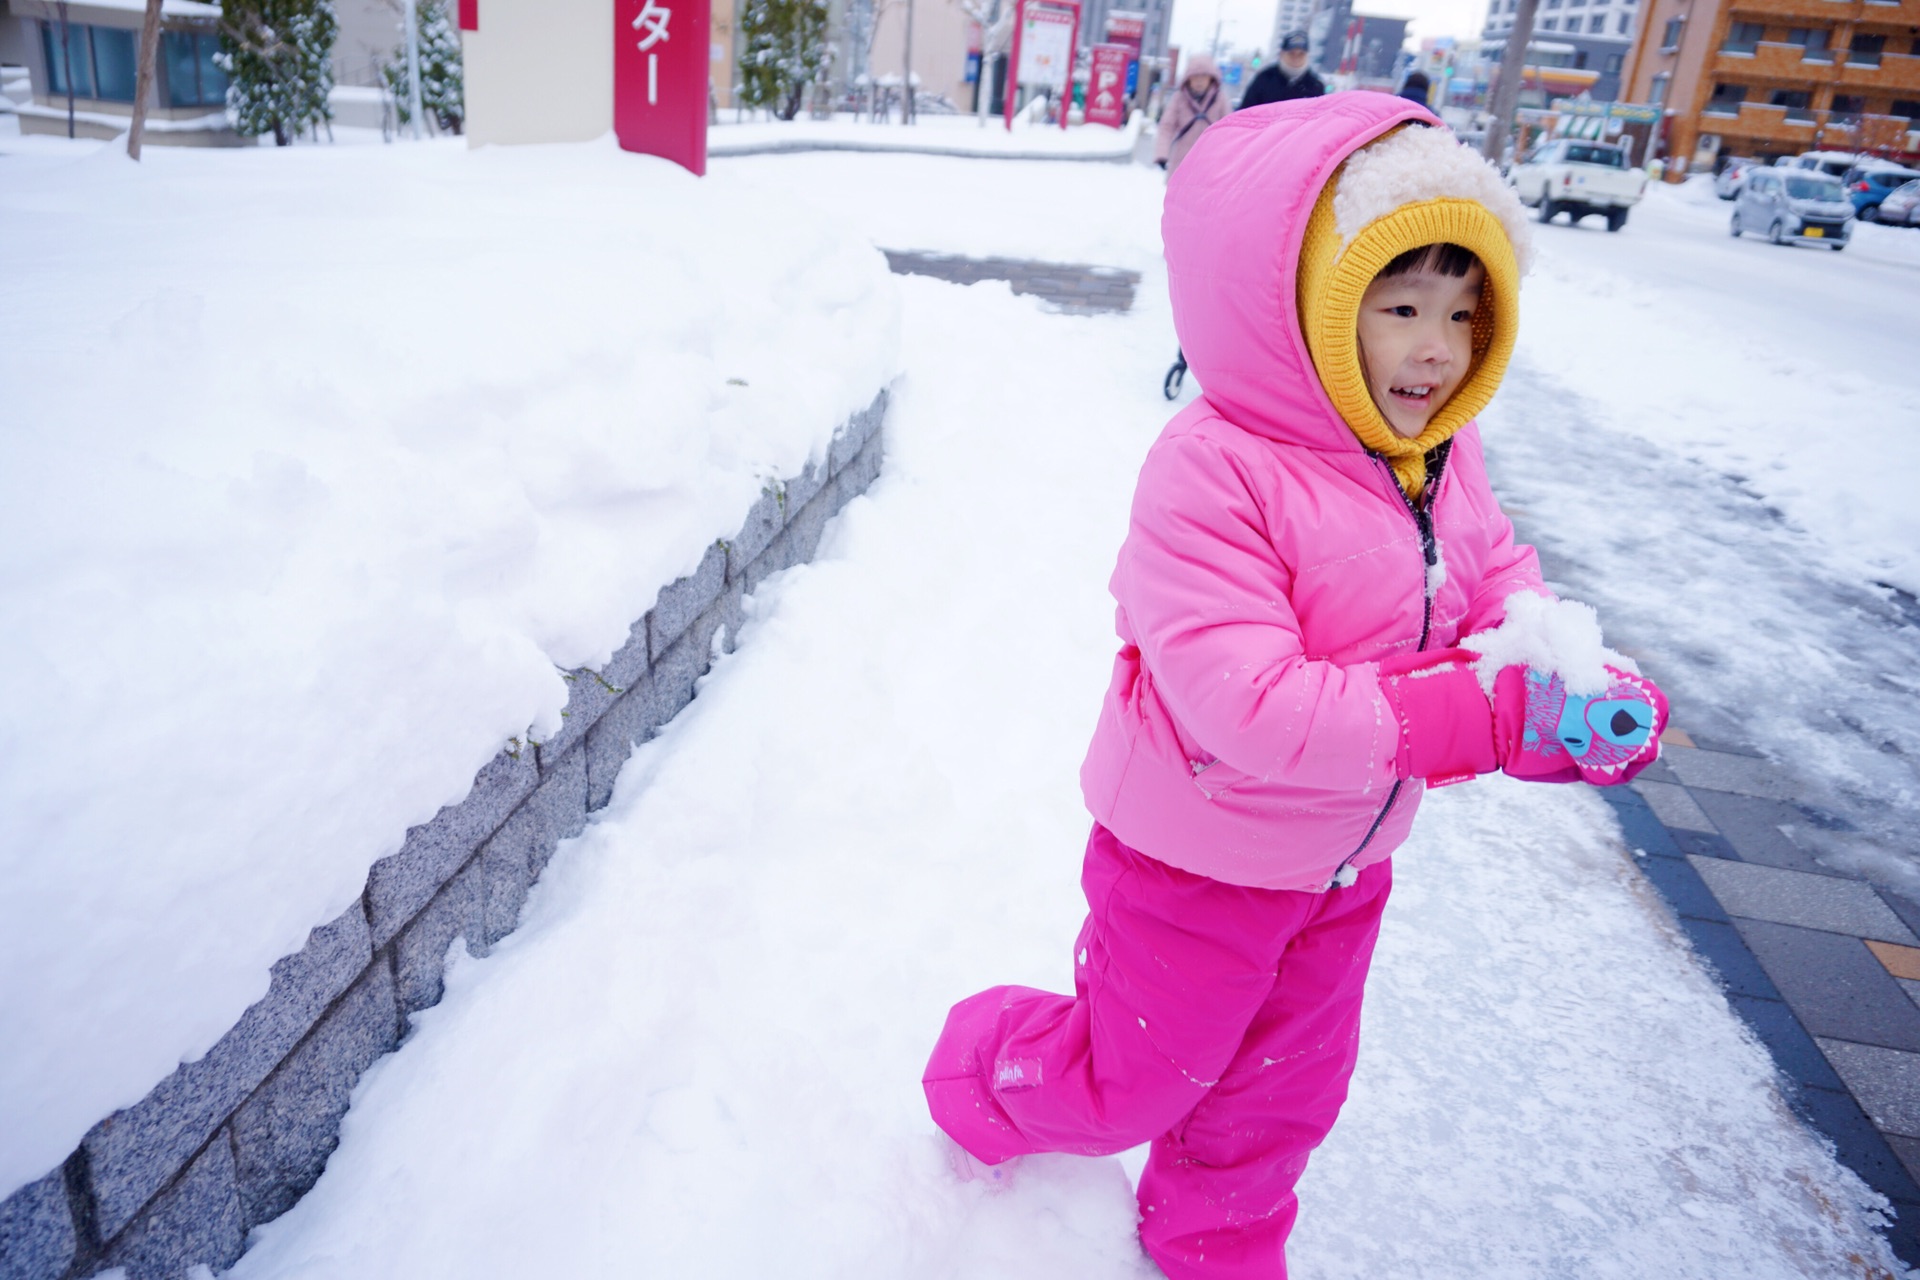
x=1322, y=611
x=1197, y=103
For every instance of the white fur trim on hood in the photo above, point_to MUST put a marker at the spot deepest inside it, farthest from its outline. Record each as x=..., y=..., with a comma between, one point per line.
x=1423, y=163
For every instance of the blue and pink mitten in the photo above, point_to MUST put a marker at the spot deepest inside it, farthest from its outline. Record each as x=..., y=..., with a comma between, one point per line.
x=1530, y=727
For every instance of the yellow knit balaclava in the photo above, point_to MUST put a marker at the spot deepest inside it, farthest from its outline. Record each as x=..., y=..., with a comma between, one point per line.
x=1358, y=228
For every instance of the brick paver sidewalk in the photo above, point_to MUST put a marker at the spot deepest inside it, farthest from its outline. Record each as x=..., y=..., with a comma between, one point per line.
x=1825, y=968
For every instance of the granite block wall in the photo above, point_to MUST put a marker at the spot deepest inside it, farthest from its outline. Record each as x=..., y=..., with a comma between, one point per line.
x=235, y=1138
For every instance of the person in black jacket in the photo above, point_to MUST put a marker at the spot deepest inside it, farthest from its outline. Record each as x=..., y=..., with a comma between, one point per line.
x=1286, y=79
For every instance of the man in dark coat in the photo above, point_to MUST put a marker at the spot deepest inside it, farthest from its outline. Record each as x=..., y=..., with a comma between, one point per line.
x=1286, y=79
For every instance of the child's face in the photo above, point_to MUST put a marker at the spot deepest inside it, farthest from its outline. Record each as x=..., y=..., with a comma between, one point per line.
x=1416, y=341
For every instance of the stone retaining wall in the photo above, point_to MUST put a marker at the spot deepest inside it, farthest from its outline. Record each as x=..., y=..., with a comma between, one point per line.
x=234, y=1139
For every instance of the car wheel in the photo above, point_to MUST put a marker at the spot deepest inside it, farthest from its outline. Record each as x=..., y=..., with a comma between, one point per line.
x=1734, y=226
x=1548, y=209
x=1774, y=233
x=1616, y=219
x=1836, y=247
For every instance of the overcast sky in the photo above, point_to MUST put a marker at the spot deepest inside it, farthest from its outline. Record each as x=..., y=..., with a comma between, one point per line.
x=1249, y=23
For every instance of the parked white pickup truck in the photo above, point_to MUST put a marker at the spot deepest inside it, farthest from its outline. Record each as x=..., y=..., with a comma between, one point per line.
x=1576, y=177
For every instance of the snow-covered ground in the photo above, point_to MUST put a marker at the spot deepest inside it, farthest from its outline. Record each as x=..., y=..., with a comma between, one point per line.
x=947, y=134
x=319, y=463
x=1714, y=438
x=700, y=1054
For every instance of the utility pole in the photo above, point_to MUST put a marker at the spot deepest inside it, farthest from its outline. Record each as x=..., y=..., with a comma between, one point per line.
x=1506, y=85
x=413, y=64
x=143, y=78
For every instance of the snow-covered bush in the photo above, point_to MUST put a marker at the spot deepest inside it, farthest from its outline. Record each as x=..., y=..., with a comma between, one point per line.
x=278, y=58
x=785, y=46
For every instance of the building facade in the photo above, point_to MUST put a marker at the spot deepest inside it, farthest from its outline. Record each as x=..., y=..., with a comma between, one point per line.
x=81, y=63
x=1598, y=32
x=1770, y=78
x=1289, y=16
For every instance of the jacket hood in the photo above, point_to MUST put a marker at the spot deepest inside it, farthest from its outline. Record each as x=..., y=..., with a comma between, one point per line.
x=1236, y=216
x=1201, y=65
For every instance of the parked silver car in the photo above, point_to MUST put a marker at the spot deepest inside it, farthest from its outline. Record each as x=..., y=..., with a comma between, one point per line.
x=1794, y=204
x=1901, y=208
x=1732, y=176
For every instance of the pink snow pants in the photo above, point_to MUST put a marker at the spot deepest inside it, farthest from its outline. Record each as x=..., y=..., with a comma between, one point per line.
x=1218, y=1021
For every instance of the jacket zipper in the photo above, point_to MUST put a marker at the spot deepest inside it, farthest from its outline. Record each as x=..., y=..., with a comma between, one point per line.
x=1429, y=557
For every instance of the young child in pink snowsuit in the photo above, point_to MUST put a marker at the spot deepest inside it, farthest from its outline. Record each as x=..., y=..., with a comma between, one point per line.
x=1310, y=541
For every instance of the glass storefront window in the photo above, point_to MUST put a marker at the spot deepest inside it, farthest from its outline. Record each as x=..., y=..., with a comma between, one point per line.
x=72, y=51
x=116, y=64
x=192, y=79
x=183, y=72
x=213, y=81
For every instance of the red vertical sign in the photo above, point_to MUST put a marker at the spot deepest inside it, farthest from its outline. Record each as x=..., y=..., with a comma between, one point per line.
x=1107, y=85
x=469, y=15
x=660, y=50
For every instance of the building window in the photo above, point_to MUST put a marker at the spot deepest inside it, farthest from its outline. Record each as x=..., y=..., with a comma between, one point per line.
x=1626, y=21
x=1726, y=99
x=1865, y=50
x=1613, y=63
x=1812, y=42
x=1596, y=23
x=1742, y=37
x=192, y=78
x=1906, y=108
x=1657, y=92
x=116, y=65
x=102, y=59
x=69, y=58
x=1551, y=24
x=1847, y=110
x=1797, y=102
x=1671, y=39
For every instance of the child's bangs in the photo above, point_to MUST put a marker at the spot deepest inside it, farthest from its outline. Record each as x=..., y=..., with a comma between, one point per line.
x=1441, y=259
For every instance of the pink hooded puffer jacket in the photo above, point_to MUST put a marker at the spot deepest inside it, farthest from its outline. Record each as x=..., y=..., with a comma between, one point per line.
x=1271, y=561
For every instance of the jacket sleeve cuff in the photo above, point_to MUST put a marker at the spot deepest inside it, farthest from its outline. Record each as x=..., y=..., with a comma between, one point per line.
x=1445, y=719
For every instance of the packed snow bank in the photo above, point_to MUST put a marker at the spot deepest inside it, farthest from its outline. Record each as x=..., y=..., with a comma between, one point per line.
x=1790, y=374
x=320, y=463
x=1109, y=215
x=952, y=135
x=701, y=1053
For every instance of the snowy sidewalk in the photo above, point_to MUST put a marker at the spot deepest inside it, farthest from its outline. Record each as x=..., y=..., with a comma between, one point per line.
x=700, y=1055
x=931, y=135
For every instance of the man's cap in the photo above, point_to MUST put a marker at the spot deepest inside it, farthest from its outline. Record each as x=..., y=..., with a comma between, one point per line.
x=1294, y=42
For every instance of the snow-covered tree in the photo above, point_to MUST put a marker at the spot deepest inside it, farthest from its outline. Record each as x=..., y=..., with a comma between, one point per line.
x=784, y=46
x=442, y=90
x=278, y=58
